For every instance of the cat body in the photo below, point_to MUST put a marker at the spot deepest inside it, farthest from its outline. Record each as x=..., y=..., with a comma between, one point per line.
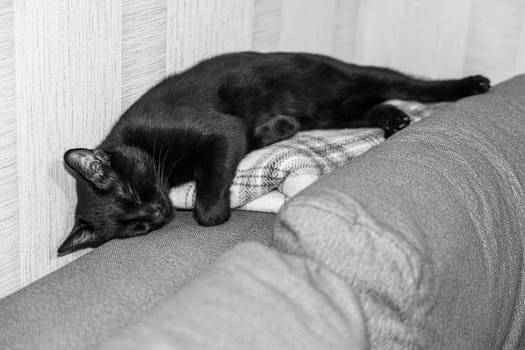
x=198, y=125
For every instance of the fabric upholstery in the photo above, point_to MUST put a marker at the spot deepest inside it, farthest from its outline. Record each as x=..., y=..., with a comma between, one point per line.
x=429, y=227
x=253, y=298
x=81, y=303
x=426, y=229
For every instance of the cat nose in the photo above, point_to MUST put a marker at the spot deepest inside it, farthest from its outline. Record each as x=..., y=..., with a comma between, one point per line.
x=161, y=214
x=158, y=211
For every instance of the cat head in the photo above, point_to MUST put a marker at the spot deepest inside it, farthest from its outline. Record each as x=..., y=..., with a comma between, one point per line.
x=120, y=194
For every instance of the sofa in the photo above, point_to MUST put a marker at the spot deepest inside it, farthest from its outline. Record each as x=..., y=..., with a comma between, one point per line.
x=416, y=244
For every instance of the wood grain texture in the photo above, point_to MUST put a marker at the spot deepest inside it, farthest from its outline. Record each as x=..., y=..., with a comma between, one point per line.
x=68, y=83
x=143, y=47
x=9, y=235
x=198, y=29
x=345, y=29
x=495, y=31
x=419, y=37
x=519, y=68
x=267, y=25
x=308, y=25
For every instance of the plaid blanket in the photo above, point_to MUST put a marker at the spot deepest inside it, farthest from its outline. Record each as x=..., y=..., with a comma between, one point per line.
x=268, y=177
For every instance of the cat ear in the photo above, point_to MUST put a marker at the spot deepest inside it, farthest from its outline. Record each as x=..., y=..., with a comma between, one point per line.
x=92, y=165
x=82, y=236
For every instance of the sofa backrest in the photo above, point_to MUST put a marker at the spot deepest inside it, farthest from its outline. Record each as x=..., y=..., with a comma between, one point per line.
x=429, y=227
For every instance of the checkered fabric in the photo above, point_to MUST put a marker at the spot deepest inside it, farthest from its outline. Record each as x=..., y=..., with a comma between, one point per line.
x=267, y=177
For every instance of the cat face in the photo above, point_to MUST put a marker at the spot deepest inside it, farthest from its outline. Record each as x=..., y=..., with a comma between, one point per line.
x=120, y=194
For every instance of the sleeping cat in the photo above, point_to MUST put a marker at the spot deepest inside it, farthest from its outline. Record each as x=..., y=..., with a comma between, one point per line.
x=198, y=124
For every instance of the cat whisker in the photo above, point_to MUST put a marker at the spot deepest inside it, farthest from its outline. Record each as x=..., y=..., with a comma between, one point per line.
x=170, y=170
x=156, y=169
x=163, y=164
x=153, y=156
x=161, y=159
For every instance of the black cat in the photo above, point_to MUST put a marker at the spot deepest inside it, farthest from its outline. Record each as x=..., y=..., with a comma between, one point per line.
x=197, y=125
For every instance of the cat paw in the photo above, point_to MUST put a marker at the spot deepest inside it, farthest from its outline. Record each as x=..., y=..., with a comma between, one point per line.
x=213, y=215
x=278, y=128
x=476, y=84
x=396, y=123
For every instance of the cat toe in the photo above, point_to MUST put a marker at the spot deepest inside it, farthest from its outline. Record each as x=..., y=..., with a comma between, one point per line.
x=476, y=84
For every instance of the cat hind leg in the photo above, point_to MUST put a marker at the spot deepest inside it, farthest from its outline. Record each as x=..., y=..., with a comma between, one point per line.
x=389, y=118
x=436, y=90
x=391, y=84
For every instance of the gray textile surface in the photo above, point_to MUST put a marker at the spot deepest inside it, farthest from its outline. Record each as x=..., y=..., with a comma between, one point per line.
x=83, y=302
x=254, y=298
x=429, y=227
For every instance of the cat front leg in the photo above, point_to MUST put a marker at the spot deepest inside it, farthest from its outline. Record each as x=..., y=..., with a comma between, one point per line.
x=214, y=176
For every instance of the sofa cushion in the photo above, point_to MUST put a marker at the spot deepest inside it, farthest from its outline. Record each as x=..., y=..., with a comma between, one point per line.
x=253, y=297
x=81, y=303
x=429, y=227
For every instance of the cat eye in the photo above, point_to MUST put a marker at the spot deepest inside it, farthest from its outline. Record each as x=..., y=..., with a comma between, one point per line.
x=82, y=221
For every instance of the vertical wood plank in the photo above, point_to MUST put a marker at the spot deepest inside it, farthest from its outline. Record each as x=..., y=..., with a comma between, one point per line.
x=519, y=68
x=9, y=234
x=266, y=25
x=198, y=29
x=143, y=47
x=345, y=29
x=494, y=38
x=308, y=25
x=418, y=37
x=68, y=95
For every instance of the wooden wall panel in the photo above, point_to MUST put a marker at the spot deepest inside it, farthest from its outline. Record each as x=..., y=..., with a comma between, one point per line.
x=68, y=78
x=266, y=25
x=198, y=29
x=494, y=39
x=143, y=47
x=345, y=29
x=308, y=25
x=419, y=37
x=519, y=68
x=9, y=235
